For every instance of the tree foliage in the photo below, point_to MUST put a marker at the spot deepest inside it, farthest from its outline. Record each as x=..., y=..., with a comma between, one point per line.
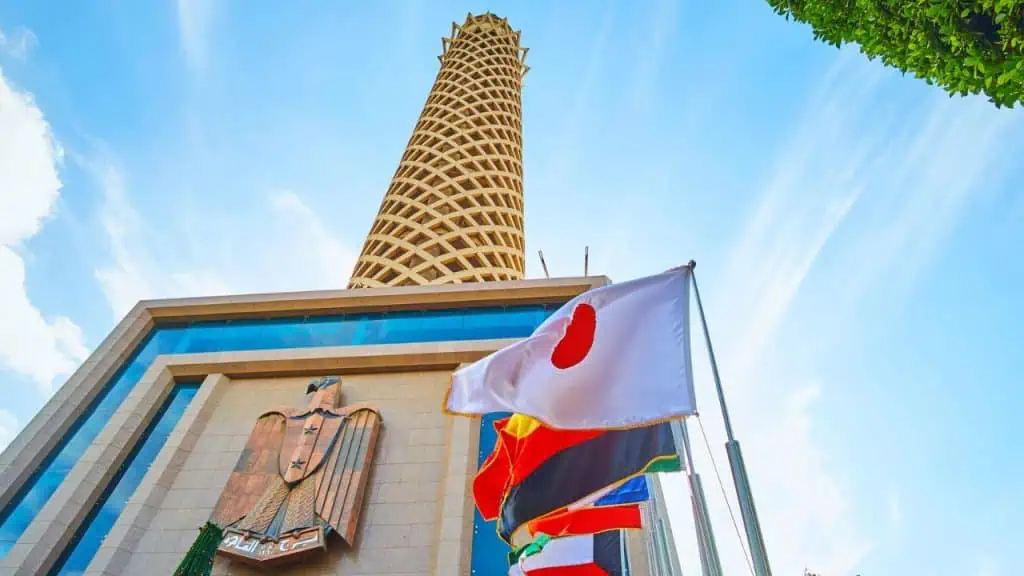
x=964, y=46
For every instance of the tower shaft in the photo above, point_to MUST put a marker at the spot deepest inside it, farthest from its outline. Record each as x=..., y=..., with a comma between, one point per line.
x=453, y=212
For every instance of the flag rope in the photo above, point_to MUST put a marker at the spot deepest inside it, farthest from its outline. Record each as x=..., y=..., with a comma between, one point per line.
x=725, y=496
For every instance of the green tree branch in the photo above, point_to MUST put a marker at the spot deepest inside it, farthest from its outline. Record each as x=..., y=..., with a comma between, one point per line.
x=964, y=46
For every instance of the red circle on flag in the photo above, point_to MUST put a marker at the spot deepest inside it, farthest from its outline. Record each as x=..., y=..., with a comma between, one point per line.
x=578, y=338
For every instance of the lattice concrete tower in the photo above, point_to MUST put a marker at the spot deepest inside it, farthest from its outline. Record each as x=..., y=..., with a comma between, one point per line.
x=454, y=210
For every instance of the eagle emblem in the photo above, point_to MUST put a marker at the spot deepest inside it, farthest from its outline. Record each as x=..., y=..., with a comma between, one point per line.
x=302, y=475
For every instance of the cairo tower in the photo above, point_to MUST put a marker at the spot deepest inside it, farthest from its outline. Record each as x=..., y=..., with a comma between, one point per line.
x=454, y=210
x=303, y=433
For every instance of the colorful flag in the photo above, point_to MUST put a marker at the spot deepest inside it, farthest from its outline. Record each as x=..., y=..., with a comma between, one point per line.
x=538, y=473
x=631, y=491
x=613, y=357
x=589, y=555
x=523, y=444
x=616, y=507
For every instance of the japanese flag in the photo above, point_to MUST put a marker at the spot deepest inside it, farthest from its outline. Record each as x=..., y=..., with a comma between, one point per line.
x=613, y=357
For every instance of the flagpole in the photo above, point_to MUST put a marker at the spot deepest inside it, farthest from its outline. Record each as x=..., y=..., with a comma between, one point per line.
x=650, y=534
x=739, y=471
x=711, y=564
x=627, y=568
x=665, y=533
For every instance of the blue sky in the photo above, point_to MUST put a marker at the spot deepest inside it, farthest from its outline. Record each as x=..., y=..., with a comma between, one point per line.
x=858, y=233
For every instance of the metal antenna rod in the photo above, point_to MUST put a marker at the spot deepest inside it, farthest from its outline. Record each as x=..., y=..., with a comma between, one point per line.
x=543, y=263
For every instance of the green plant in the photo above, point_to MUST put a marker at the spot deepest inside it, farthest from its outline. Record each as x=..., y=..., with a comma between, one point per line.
x=964, y=46
x=198, y=561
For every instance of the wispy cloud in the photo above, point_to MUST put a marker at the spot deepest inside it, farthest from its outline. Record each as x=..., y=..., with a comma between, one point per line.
x=894, y=177
x=934, y=168
x=651, y=54
x=134, y=273
x=17, y=43
x=318, y=249
x=578, y=108
x=285, y=246
x=816, y=180
x=30, y=344
x=195, y=18
x=8, y=428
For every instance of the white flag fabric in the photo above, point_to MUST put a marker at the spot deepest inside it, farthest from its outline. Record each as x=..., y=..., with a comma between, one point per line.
x=613, y=357
x=587, y=555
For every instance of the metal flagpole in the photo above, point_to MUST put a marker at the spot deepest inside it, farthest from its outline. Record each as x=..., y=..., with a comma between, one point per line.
x=665, y=533
x=739, y=471
x=648, y=523
x=665, y=555
x=623, y=562
x=711, y=565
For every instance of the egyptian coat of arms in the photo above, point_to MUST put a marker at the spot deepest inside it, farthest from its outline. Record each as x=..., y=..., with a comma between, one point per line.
x=302, y=475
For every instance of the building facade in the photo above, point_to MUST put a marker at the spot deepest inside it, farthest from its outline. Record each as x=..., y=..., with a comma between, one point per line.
x=129, y=458
x=202, y=408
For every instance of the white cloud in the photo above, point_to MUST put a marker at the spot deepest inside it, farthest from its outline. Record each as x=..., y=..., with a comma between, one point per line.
x=805, y=506
x=135, y=274
x=17, y=43
x=30, y=344
x=899, y=175
x=9, y=428
x=286, y=246
x=29, y=156
x=319, y=250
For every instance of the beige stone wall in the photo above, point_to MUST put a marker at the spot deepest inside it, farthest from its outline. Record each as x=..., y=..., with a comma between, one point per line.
x=636, y=547
x=400, y=526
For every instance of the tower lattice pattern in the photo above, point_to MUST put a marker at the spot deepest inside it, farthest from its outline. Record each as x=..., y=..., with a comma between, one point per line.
x=454, y=210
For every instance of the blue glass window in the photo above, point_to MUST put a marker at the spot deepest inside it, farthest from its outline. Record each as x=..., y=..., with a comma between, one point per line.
x=489, y=553
x=101, y=519
x=238, y=335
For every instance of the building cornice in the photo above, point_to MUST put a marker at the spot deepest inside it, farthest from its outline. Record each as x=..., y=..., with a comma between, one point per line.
x=361, y=300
